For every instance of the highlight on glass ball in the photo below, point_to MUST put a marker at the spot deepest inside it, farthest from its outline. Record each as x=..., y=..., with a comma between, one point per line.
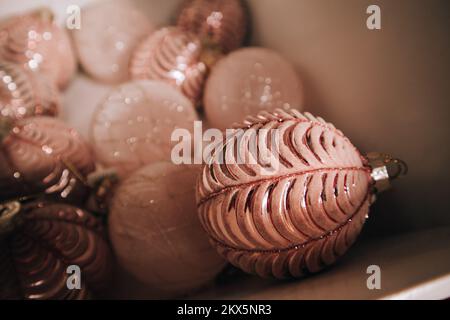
x=36, y=42
x=222, y=149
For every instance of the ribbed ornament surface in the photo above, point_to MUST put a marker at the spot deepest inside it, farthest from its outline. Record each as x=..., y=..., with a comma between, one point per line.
x=49, y=238
x=41, y=155
x=293, y=220
x=223, y=23
x=24, y=94
x=172, y=56
x=35, y=42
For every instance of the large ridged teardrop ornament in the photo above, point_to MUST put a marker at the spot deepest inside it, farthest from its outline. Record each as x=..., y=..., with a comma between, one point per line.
x=290, y=214
x=42, y=155
x=41, y=242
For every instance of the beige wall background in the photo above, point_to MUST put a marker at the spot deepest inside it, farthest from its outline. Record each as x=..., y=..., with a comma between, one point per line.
x=388, y=90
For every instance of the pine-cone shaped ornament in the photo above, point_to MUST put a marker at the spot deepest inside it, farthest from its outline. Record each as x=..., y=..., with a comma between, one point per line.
x=41, y=246
x=34, y=41
x=25, y=94
x=172, y=56
x=42, y=155
x=287, y=194
x=217, y=22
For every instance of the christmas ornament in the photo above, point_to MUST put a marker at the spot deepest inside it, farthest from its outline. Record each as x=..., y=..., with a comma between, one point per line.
x=110, y=32
x=42, y=155
x=296, y=211
x=172, y=56
x=216, y=22
x=155, y=232
x=248, y=81
x=134, y=124
x=41, y=246
x=35, y=42
x=24, y=94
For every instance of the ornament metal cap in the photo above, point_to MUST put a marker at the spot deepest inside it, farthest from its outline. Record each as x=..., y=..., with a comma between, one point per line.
x=385, y=168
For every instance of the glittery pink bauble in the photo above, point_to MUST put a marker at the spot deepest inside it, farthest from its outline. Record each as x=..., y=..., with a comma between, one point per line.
x=222, y=23
x=25, y=94
x=35, y=42
x=299, y=217
x=172, y=56
x=41, y=155
x=134, y=124
x=155, y=231
x=248, y=81
x=110, y=32
x=45, y=239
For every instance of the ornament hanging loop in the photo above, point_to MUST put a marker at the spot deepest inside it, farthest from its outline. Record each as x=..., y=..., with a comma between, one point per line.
x=385, y=168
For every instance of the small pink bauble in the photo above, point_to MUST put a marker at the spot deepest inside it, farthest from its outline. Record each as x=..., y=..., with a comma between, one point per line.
x=217, y=22
x=155, y=231
x=42, y=155
x=36, y=42
x=134, y=124
x=172, y=56
x=248, y=81
x=297, y=218
x=110, y=32
x=25, y=94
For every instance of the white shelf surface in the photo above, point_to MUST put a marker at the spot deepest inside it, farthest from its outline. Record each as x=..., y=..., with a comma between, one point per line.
x=413, y=266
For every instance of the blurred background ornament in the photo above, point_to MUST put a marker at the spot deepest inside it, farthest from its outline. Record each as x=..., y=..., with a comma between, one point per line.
x=216, y=22
x=110, y=31
x=301, y=215
x=34, y=41
x=26, y=94
x=248, y=81
x=42, y=155
x=172, y=56
x=155, y=231
x=134, y=124
x=40, y=240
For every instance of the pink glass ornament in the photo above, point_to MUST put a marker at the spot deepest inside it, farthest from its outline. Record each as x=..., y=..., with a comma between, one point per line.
x=217, y=22
x=42, y=155
x=134, y=124
x=248, y=81
x=34, y=41
x=155, y=232
x=299, y=217
x=40, y=240
x=25, y=94
x=110, y=32
x=172, y=56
